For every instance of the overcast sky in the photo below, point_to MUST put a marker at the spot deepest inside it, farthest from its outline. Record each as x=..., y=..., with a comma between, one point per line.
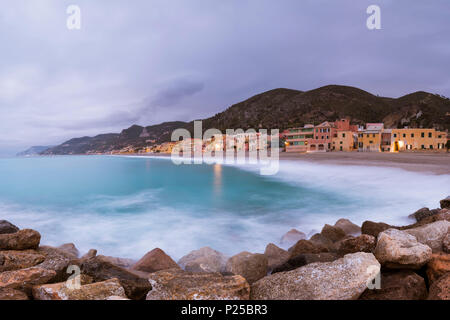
x=149, y=61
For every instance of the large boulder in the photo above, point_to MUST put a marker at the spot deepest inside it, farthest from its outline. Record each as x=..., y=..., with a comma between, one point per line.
x=362, y=243
x=275, y=256
x=56, y=260
x=120, y=262
x=445, y=203
x=440, y=289
x=12, y=294
x=306, y=246
x=321, y=241
x=401, y=285
x=344, y=279
x=374, y=228
x=398, y=249
x=431, y=234
x=292, y=237
x=20, y=240
x=423, y=213
x=15, y=260
x=446, y=243
x=100, y=269
x=24, y=279
x=95, y=291
x=155, y=260
x=304, y=259
x=7, y=227
x=348, y=227
x=438, y=266
x=176, y=284
x=203, y=260
x=333, y=233
x=70, y=249
x=442, y=215
x=252, y=266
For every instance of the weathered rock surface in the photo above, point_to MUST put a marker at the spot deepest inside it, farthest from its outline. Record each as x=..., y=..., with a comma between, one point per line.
x=14, y=260
x=95, y=291
x=321, y=241
x=332, y=233
x=442, y=215
x=398, y=249
x=155, y=260
x=431, y=234
x=7, y=227
x=438, y=266
x=24, y=279
x=20, y=240
x=374, y=228
x=275, y=256
x=252, y=266
x=70, y=249
x=348, y=227
x=343, y=279
x=401, y=285
x=306, y=246
x=12, y=294
x=90, y=254
x=292, y=237
x=446, y=243
x=120, y=262
x=176, y=284
x=363, y=243
x=445, y=203
x=304, y=259
x=423, y=213
x=100, y=269
x=57, y=260
x=203, y=260
x=440, y=289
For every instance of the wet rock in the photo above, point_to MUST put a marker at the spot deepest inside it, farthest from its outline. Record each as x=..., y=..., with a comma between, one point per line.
x=363, y=243
x=332, y=233
x=423, y=213
x=70, y=249
x=445, y=203
x=348, y=227
x=203, y=260
x=252, y=266
x=304, y=259
x=90, y=254
x=100, y=269
x=15, y=260
x=20, y=240
x=374, y=228
x=176, y=284
x=343, y=279
x=401, y=285
x=431, y=234
x=95, y=291
x=275, y=256
x=155, y=260
x=438, y=266
x=7, y=227
x=442, y=215
x=446, y=243
x=12, y=294
x=321, y=241
x=292, y=237
x=306, y=246
x=398, y=249
x=24, y=279
x=440, y=289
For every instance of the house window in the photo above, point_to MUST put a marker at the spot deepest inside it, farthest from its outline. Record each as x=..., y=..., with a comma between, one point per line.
x=373, y=135
x=343, y=135
x=370, y=141
x=422, y=134
x=404, y=135
x=395, y=135
x=431, y=146
x=423, y=147
x=430, y=134
x=412, y=135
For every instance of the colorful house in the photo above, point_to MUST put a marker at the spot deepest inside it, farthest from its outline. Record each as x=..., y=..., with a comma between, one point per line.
x=369, y=140
x=413, y=139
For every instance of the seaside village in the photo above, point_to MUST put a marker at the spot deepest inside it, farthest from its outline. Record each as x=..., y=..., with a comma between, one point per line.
x=338, y=136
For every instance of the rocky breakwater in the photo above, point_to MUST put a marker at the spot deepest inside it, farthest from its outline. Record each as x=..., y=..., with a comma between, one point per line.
x=376, y=261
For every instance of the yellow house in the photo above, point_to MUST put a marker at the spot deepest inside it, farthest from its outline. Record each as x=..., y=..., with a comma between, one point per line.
x=343, y=141
x=418, y=140
x=369, y=140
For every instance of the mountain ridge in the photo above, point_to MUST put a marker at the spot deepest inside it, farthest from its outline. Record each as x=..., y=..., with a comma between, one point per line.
x=283, y=108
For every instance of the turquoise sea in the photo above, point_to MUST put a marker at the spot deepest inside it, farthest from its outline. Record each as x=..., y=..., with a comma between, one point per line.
x=126, y=206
